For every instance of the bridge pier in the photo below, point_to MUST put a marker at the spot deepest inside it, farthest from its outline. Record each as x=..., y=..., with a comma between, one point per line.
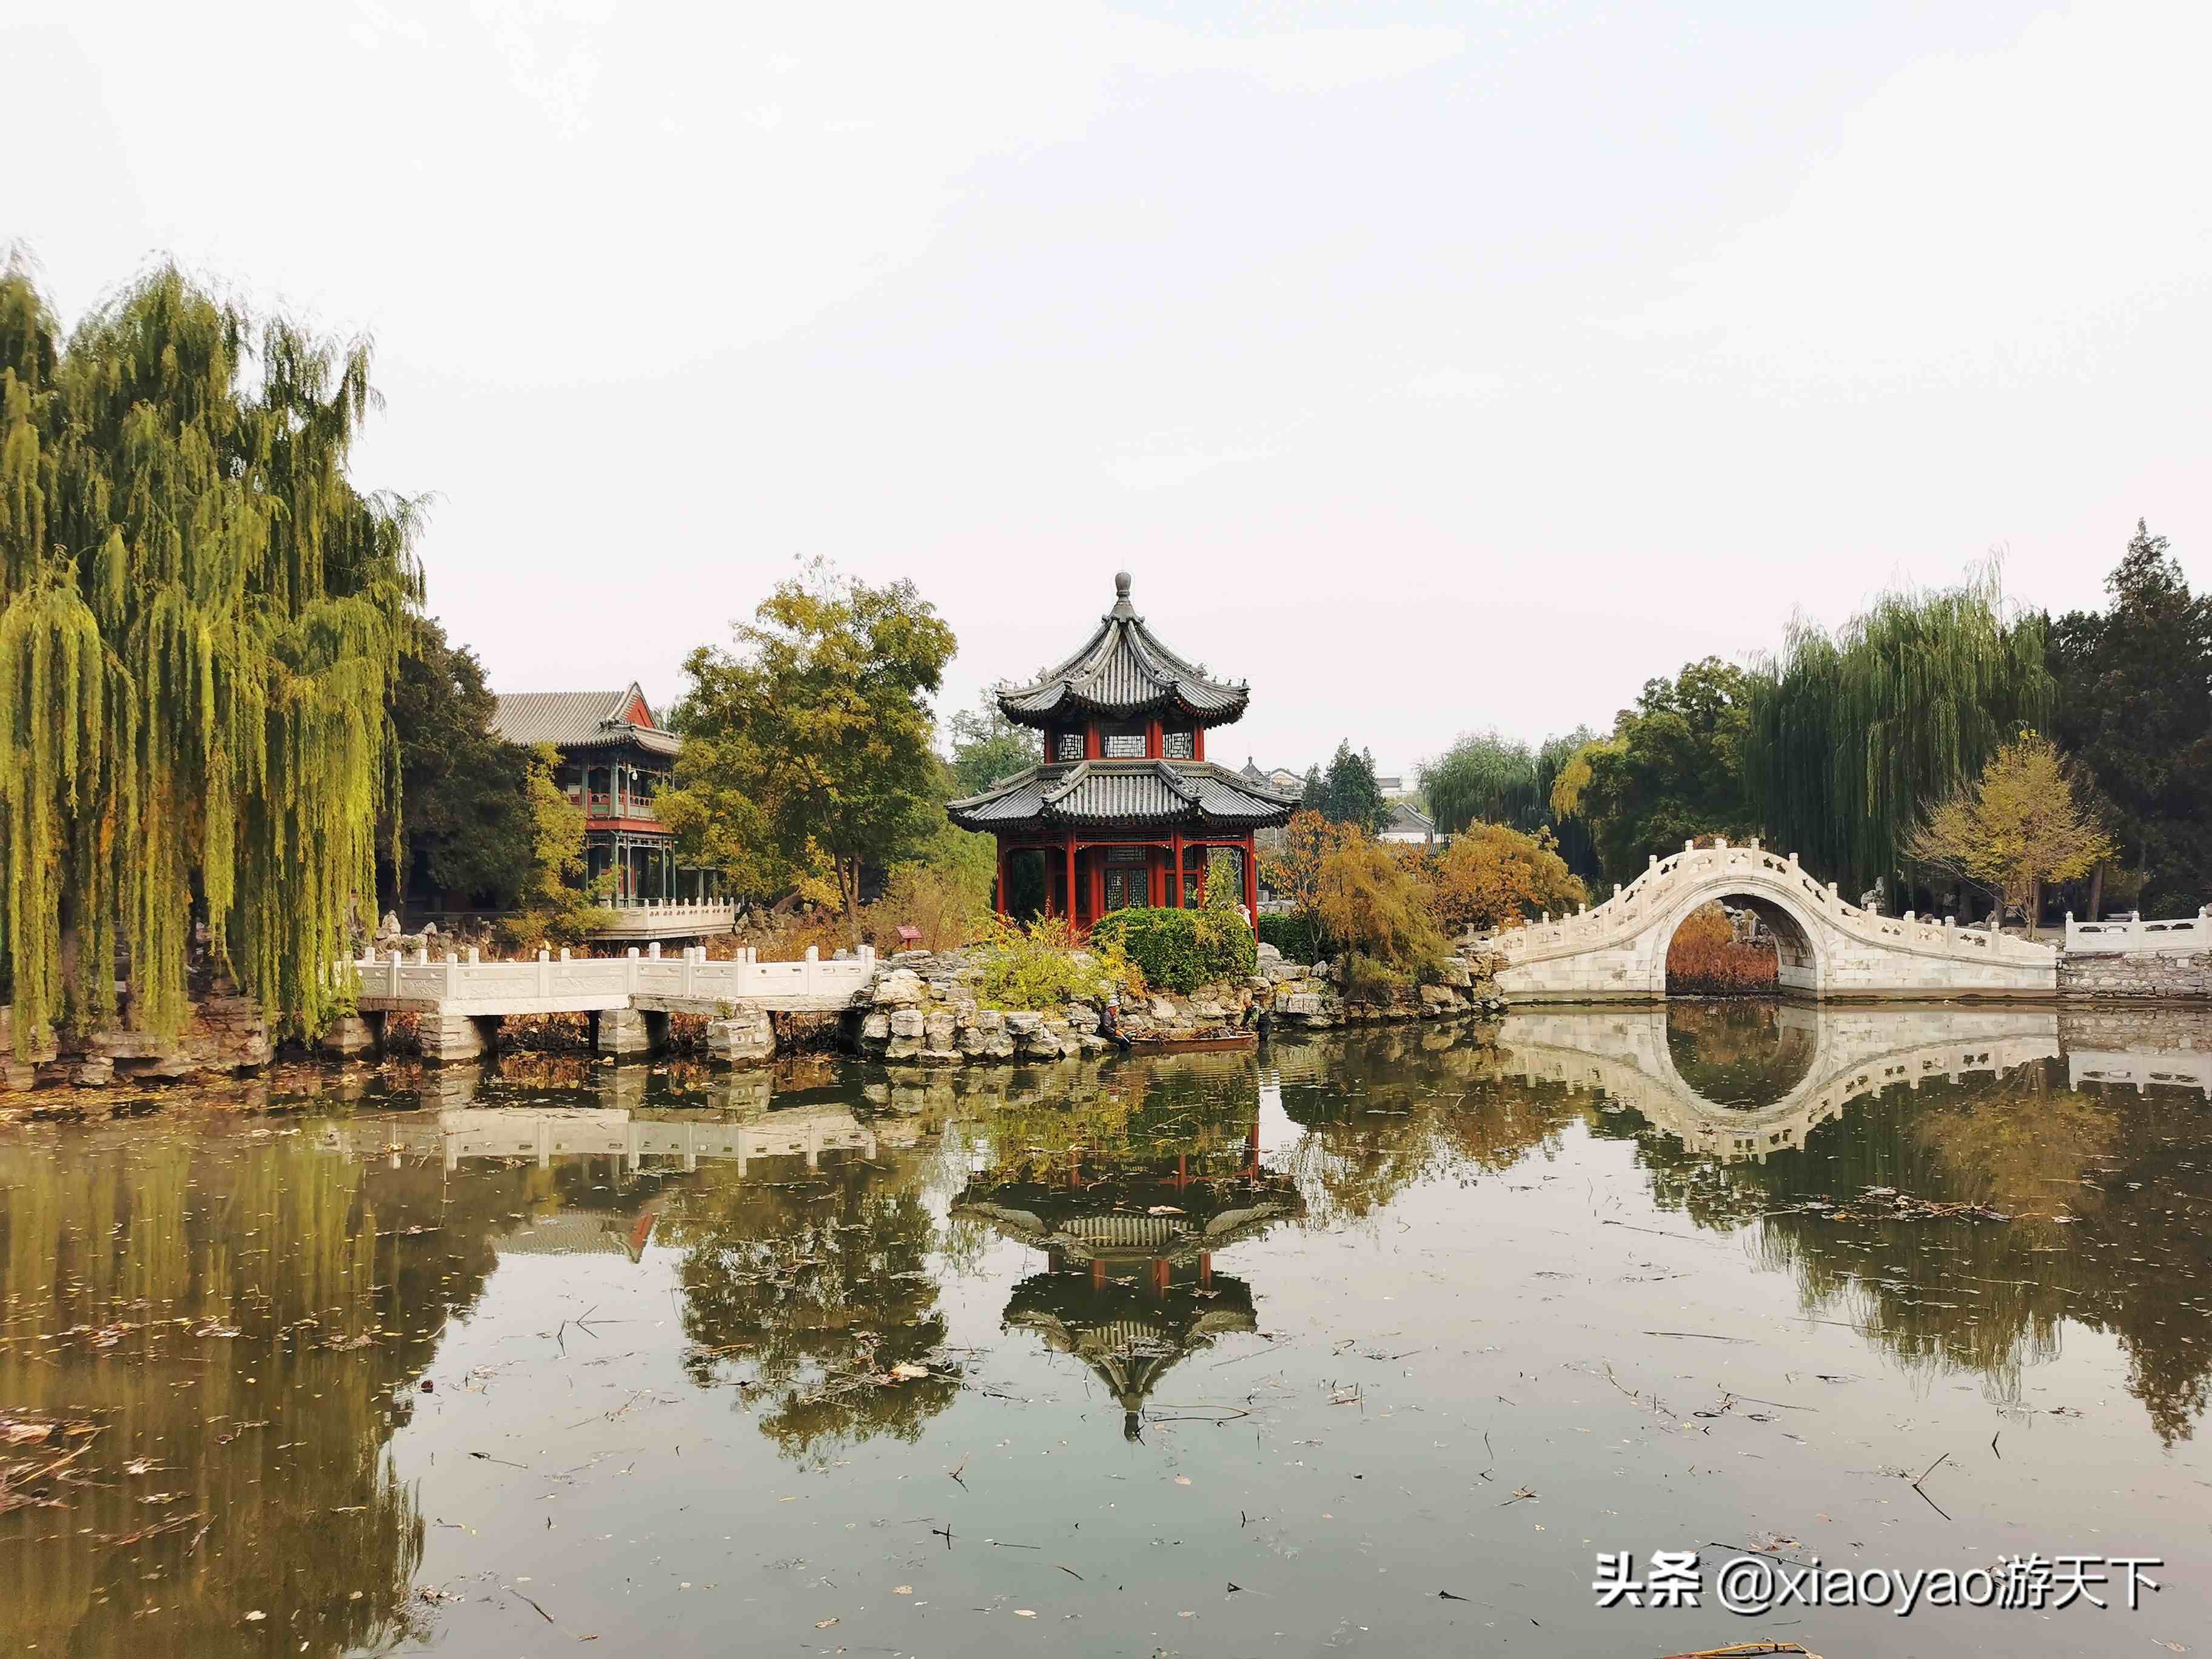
x=624, y=1032
x=351, y=1035
x=742, y=1038
x=448, y=1038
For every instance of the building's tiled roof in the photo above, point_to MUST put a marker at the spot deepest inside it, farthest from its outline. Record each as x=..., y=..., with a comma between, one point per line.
x=579, y=719
x=1280, y=777
x=1406, y=818
x=1122, y=668
x=1197, y=793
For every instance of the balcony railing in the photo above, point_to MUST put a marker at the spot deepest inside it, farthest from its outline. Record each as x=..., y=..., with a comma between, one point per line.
x=606, y=806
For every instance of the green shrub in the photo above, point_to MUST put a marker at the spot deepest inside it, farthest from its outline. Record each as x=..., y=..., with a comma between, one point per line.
x=1040, y=967
x=1366, y=980
x=1180, y=949
x=1293, y=935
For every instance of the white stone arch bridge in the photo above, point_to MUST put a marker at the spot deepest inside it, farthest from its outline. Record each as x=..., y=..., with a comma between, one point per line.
x=1623, y=1054
x=1828, y=949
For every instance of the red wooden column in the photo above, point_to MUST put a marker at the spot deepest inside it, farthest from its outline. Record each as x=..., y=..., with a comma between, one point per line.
x=1002, y=878
x=1252, y=879
x=1071, y=878
x=1174, y=873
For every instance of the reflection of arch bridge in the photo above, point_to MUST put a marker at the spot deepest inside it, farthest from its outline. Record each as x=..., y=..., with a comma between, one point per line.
x=1618, y=953
x=1624, y=1053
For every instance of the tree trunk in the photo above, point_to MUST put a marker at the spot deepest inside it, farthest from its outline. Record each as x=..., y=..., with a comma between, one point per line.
x=2035, y=904
x=2097, y=894
x=849, y=891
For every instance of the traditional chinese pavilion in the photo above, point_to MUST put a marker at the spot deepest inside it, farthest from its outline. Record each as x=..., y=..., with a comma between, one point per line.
x=1126, y=809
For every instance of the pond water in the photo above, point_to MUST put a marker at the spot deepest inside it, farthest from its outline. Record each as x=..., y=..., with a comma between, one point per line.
x=1371, y=1344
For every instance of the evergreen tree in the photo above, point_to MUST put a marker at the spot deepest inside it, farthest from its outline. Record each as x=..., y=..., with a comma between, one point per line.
x=462, y=816
x=1349, y=793
x=2135, y=706
x=200, y=621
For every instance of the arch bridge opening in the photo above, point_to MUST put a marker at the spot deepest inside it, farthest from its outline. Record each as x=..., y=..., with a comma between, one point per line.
x=1742, y=944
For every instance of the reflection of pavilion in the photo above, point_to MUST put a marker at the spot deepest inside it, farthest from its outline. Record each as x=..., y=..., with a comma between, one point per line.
x=1128, y=1285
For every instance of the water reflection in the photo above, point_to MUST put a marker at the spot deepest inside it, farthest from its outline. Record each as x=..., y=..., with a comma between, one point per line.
x=239, y=1308
x=1129, y=1232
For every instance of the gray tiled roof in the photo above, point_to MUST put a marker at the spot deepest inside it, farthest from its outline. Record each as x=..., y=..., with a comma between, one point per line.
x=1122, y=668
x=576, y=720
x=1195, y=794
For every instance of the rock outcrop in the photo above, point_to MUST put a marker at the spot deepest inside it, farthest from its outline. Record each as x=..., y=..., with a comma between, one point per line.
x=925, y=1009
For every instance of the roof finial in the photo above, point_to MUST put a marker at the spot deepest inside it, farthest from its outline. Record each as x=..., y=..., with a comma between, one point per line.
x=1121, y=585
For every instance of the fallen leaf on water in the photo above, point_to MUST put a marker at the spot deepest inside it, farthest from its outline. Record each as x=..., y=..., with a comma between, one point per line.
x=903, y=1590
x=1182, y=1480
x=823, y=1624
x=1023, y=1613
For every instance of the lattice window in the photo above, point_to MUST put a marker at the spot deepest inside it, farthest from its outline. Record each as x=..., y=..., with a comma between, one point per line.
x=1071, y=745
x=1125, y=743
x=1180, y=745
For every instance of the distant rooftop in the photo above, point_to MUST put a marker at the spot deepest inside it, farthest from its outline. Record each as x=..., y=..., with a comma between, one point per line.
x=581, y=720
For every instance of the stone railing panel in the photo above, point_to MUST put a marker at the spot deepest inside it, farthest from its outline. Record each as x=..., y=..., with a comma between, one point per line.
x=2178, y=936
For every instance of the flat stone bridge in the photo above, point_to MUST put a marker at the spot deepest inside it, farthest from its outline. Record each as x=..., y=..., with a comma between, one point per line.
x=459, y=1001
x=1827, y=949
x=1624, y=1053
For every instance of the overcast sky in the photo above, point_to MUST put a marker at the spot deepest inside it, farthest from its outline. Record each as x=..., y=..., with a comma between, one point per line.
x=1433, y=367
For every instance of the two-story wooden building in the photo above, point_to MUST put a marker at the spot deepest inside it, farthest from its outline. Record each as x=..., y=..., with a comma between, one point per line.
x=1126, y=809
x=614, y=757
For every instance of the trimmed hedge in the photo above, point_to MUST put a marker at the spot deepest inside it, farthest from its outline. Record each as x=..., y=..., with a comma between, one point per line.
x=1180, y=949
x=1294, y=935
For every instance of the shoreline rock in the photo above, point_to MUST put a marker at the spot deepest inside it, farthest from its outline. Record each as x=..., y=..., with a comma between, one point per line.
x=923, y=1009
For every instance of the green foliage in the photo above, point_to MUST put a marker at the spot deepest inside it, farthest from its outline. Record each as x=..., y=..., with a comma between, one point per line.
x=461, y=813
x=200, y=622
x=1294, y=935
x=1851, y=737
x=1347, y=793
x=1368, y=905
x=812, y=739
x=1366, y=980
x=554, y=905
x=1672, y=771
x=944, y=890
x=987, y=747
x=2135, y=706
x=1181, y=950
x=1041, y=966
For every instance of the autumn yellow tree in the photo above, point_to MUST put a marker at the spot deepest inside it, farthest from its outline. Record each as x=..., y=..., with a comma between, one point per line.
x=1293, y=871
x=2019, y=824
x=1493, y=877
x=1368, y=905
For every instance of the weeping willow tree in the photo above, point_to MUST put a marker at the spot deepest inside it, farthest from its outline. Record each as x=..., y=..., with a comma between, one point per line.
x=1854, y=736
x=1486, y=777
x=199, y=619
